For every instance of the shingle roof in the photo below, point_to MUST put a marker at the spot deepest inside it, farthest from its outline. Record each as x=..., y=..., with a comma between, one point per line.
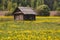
x=26, y=10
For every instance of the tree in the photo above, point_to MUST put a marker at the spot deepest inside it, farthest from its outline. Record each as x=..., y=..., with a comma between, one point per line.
x=50, y=3
x=32, y=3
x=43, y=10
x=3, y=3
x=55, y=5
x=9, y=5
x=39, y=2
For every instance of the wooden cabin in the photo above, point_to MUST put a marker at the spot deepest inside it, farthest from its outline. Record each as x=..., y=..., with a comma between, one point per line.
x=24, y=13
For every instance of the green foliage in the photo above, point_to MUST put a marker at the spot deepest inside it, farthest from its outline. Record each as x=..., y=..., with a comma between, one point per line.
x=14, y=5
x=43, y=10
x=58, y=9
x=3, y=2
x=1, y=7
x=9, y=4
x=55, y=5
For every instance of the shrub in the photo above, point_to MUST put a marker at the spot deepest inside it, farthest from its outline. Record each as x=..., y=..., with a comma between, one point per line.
x=43, y=10
x=58, y=9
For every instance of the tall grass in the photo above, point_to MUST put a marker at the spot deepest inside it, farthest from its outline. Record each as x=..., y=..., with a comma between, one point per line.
x=6, y=18
x=41, y=29
x=38, y=19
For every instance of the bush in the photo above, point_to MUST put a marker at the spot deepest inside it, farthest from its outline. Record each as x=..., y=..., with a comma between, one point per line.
x=43, y=10
x=58, y=9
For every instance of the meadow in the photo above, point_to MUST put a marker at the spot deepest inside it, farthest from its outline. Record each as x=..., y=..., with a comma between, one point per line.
x=44, y=28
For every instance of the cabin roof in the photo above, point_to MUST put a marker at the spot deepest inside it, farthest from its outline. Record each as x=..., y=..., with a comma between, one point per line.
x=26, y=10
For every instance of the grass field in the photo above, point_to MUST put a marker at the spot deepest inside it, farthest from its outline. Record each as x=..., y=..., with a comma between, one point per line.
x=44, y=28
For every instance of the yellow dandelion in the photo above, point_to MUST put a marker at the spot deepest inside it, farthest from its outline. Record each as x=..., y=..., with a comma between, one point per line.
x=9, y=32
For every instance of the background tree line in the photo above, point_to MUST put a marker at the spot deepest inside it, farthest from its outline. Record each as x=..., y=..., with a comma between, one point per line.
x=10, y=5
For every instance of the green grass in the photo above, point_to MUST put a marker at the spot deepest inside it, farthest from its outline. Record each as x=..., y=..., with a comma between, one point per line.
x=30, y=30
x=29, y=25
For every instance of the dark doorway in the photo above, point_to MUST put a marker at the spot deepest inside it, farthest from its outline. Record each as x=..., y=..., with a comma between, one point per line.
x=29, y=17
